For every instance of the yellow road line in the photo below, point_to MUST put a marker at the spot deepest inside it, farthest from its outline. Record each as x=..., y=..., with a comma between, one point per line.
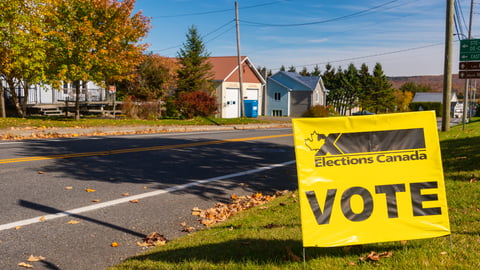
x=132, y=150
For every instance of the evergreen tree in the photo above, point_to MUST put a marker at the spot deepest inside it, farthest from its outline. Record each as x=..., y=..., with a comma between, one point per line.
x=304, y=72
x=316, y=71
x=351, y=82
x=382, y=92
x=292, y=69
x=365, y=93
x=195, y=72
x=282, y=68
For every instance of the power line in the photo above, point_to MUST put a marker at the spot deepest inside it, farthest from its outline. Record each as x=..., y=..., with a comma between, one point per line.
x=355, y=14
x=208, y=34
x=370, y=56
x=215, y=11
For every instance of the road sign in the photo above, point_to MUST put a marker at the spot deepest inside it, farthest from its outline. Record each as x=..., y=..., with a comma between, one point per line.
x=469, y=65
x=469, y=74
x=470, y=50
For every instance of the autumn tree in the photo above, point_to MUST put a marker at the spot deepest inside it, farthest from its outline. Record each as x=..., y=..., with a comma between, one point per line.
x=402, y=100
x=94, y=40
x=195, y=71
x=22, y=50
x=154, y=79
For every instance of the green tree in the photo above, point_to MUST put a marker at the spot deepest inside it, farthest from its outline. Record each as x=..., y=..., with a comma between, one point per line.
x=195, y=71
x=365, y=81
x=292, y=69
x=381, y=95
x=351, y=82
x=22, y=49
x=316, y=71
x=282, y=68
x=304, y=72
x=414, y=88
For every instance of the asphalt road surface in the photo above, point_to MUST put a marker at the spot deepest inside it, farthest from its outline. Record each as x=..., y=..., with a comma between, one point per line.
x=67, y=200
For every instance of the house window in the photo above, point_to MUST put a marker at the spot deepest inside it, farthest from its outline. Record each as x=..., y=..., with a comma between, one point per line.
x=277, y=113
x=277, y=95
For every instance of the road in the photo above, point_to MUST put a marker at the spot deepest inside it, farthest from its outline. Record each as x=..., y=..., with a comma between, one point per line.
x=92, y=181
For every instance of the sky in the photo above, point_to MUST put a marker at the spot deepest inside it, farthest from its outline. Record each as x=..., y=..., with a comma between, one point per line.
x=407, y=37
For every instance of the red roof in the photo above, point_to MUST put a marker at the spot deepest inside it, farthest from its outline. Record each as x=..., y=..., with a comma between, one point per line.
x=226, y=69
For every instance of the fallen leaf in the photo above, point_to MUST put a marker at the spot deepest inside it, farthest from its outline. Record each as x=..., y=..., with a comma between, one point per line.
x=234, y=196
x=18, y=227
x=90, y=190
x=374, y=256
x=154, y=239
x=96, y=200
x=68, y=188
x=125, y=194
x=134, y=201
x=114, y=244
x=26, y=265
x=35, y=258
x=403, y=242
x=143, y=244
x=73, y=222
x=183, y=224
x=188, y=229
x=41, y=172
x=352, y=263
x=443, y=253
x=42, y=219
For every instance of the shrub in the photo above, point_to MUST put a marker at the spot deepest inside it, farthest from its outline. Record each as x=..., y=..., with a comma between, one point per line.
x=427, y=106
x=150, y=110
x=129, y=108
x=191, y=104
x=317, y=111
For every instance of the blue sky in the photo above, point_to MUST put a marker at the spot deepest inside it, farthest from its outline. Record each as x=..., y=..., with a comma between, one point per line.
x=406, y=36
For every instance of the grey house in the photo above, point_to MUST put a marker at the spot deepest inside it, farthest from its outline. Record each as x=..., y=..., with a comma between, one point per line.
x=291, y=94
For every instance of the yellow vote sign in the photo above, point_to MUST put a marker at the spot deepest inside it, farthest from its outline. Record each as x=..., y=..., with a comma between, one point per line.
x=368, y=179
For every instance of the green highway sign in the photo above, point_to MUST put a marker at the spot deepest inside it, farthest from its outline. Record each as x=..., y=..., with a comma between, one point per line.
x=470, y=50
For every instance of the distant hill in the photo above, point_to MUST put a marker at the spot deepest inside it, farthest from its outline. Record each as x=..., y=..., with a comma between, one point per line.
x=435, y=82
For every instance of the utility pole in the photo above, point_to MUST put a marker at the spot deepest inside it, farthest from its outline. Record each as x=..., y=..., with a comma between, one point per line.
x=239, y=56
x=447, y=73
x=467, y=81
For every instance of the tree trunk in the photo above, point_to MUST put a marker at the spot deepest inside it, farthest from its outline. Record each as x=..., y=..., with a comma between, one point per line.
x=13, y=94
x=77, y=100
x=3, y=112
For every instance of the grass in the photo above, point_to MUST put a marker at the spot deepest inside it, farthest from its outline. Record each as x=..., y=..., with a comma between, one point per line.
x=59, y=122
x=261, y=238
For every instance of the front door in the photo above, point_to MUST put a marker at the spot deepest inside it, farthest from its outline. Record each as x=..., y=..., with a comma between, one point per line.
x=231, y=103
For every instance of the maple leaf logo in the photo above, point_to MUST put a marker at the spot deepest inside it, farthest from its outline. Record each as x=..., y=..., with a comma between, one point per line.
x=315, y=142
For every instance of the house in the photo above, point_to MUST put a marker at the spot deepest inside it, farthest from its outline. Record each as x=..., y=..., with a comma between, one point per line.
x=44, y=94
x=432, y=97
x=432, y=101
x=227, y=85
x=291, y=94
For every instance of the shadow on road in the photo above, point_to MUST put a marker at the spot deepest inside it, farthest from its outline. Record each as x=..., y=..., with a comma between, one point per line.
x=51, y=210
x=141, y=160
